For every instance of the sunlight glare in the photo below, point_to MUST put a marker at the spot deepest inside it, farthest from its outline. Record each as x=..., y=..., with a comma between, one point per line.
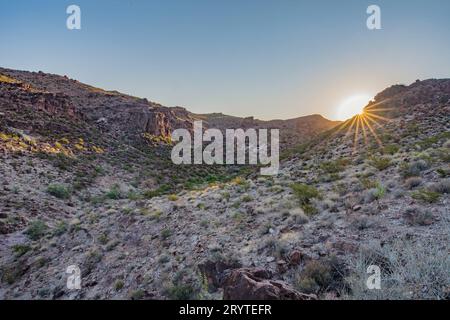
x=352, y=106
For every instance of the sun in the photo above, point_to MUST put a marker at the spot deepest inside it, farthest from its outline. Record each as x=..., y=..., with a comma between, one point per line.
x=362, y=120
x=352, y=106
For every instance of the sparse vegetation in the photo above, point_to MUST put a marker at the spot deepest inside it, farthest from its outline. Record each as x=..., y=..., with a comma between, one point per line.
x=413, y=169
x=114, y=193
x=36, y=230
x=20, y=249
x=118, y=285
x=413, y=182
x=58, y=191
x=381, y=163
x=320, y=276
x=426, y=195
x=417, y=216
x=442, y=187
x=165, y=234
x=305, y=194
x=409, y=270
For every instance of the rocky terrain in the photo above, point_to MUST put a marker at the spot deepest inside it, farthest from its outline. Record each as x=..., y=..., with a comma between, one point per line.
x=86, y=180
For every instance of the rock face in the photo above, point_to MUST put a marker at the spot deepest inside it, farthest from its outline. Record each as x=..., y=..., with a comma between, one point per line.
x=255, y=284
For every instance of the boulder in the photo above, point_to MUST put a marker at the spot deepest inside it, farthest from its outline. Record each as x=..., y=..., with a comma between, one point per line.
x=255, y=284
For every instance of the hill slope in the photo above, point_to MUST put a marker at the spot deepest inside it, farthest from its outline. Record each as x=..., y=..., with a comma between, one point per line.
x=353, y=196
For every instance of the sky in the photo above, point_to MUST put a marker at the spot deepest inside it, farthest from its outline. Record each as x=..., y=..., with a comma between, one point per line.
x=272, y=59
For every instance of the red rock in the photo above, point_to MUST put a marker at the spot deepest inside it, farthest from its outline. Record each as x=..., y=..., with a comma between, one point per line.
x=295, y=257
x=253, y=284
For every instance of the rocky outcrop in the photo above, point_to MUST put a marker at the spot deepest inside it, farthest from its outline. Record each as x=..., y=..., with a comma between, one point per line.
x=255, y=284
x=215, y=272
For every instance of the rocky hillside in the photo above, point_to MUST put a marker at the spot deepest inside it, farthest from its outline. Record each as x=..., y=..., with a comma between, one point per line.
x=122, y=116
x=373, y=190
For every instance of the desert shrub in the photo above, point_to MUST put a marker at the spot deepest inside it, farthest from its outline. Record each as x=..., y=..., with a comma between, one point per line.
x=172, y=197
x=181, y=292
x=413, y=182
x=368, y=183
x=60, y=228
x=413, y=169
x=408, y=271
x=305, y=194
x=334, y=166
x=114, y=193
x=381, y=163
x=20, y=249
x=374, y=194
x=362, y=222
x=137, y=295
x=443, y=173
x=426, y=195
x=13, y=272
x=416, y=216
x=156, y=192
x=442, y=186
x=165, y=234
x=391, y=149
x=36, y=230
x=299, y=216
x=246, y=198
x=118, y=285
x=103, y=238
x=185, y=285
x=58, y=191
x=320, y=276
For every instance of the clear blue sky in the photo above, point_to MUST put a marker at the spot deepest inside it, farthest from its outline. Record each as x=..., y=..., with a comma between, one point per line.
x=270, y=59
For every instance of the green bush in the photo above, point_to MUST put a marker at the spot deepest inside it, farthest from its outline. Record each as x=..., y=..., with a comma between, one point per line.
x=36, y=230
x=181, y=292
x=58, y=191
x=118, y=285
x=381, y=163
x=165, y=234
x=320, y=276
x=426, y=195
x=114, y=193
x=333, y=167
x=305, y=194
x=156, y=192
x=391, y=149
x=21, y=249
